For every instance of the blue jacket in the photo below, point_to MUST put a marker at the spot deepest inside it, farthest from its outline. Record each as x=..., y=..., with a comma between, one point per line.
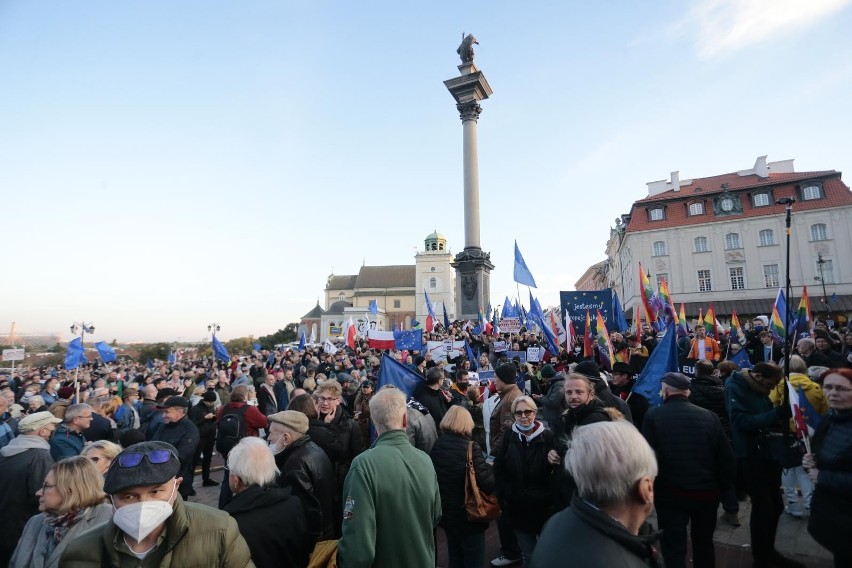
x=751, y=412
x=65, y=443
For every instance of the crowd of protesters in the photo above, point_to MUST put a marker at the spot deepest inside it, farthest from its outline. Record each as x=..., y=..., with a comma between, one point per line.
x=323, y=467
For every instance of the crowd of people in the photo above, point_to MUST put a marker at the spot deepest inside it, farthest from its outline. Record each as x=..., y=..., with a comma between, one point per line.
x=325, y=466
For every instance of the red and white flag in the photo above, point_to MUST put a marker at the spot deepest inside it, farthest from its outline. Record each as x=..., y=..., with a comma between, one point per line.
x=380, y=339
x=802, y=427
x=350, y=333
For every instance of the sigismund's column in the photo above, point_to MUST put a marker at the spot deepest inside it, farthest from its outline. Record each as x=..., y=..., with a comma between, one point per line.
x=473, y=266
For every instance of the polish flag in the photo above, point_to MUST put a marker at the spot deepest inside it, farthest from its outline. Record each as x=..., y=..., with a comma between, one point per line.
x=350, y=333
x=802, y=427
x=380, y=339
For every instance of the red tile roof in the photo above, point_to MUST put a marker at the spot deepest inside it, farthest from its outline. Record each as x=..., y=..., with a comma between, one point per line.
x=837, y=194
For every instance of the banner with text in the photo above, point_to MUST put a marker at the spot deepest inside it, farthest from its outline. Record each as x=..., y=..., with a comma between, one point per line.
x=578, y=302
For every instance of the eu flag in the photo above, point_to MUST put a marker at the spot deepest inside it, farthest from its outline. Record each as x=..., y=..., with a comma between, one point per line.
x=522, y=273
x=741, y=359
x=408, y=339
x=106, y=352
x=219, y=350
x=662, y=360
x=470, y=357
x=74, y=355
x=446, y=319
x=397, y=375
x=302, y=342
x=618, y=314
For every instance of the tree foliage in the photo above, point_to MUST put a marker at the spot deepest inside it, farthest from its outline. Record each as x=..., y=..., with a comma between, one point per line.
x=239, y=346
x=286, y=335
x=153, y=351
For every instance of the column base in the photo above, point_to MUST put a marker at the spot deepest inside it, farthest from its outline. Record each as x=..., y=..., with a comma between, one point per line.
x=473, y=282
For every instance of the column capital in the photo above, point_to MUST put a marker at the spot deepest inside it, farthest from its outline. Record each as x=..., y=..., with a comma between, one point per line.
x=469, y=110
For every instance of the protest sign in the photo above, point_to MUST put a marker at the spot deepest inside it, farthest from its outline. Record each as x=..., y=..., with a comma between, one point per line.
x=510, y=325
x=534, y=354
x=500, y=346
x=522, y=355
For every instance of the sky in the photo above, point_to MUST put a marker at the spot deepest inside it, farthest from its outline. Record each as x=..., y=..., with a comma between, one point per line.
x=166, y=165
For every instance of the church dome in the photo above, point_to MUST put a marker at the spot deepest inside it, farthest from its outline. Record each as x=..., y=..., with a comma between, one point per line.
x=435, y=241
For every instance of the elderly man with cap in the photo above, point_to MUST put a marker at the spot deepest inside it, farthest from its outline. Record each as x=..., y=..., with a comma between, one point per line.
x=203, y=415
x=623, y=381
x=24, y=463
x=306, y=469
x=696, y=464
x=271, y=519
x=152, y=525
x=179, y=431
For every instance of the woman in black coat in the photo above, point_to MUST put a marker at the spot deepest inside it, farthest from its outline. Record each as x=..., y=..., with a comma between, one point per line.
x=465, y=539
x=524, y=475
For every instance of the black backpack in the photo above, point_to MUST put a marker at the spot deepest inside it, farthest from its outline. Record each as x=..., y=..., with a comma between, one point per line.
x=231, y=429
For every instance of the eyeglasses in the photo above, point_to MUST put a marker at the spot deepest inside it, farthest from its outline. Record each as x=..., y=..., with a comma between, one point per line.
x=327, y=398
x=154, y=456
x=837, y=388
x=524, y=412
x=45, y=486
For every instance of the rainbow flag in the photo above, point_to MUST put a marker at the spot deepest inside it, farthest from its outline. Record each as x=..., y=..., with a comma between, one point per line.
x=666, y=299
x=604, y=343
x=647, y=293
x=587, y=337
x=803, y=316
x=710, y=322
x=682, y=325
x=736, y=329
x=776, y=322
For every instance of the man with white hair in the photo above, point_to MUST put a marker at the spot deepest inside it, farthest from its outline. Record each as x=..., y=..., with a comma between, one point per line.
x=614, y=470
x=389, y=486
x=271, y=519
x=696, y=465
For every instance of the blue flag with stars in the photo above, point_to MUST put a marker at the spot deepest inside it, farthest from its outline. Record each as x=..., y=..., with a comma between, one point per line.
x=522, y=273
x=408, y=339
x=446, y=318
x=106, y=352
x=74, y=356
x=578, y=302
x=220, y=351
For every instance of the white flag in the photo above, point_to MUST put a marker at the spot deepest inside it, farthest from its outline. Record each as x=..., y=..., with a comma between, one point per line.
x=329, y=347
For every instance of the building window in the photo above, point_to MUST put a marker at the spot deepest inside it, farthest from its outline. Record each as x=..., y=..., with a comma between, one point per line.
x=819, y=232
x=737, y=278
x=827, y=273
x=341, y=297
x=696, y=208
x=704, y=284
x=659, y=248
x=760, y=199
x=701, y=244
x=732, y=241
x=811, y=192
x=433, y=283
x=396, y=304
x=660, y=278
x=770, y=276
x=766, y=237
x=656, y=214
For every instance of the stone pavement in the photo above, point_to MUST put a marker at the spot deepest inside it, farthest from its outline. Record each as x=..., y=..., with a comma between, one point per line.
x=732, y=544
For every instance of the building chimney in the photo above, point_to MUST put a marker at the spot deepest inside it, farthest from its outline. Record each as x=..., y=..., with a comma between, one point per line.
x=760, y=167
x=676, y=181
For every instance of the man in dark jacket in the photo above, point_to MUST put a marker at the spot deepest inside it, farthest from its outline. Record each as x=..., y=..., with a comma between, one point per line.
x=601, y=526
x=24, y=463
x=622, y=387
x=591, y=371
x=765, y=350
x=430, y=394
x=271, y=519
x=179, y=431
x=306, y=469
x=696, y=464
x=68, y=440
x=752, y=415
x=203, y=415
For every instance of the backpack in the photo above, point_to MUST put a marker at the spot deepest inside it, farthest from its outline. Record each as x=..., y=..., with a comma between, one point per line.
x=231, y=429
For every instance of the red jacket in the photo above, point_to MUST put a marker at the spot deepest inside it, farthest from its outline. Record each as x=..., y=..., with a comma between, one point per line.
x=254, y=417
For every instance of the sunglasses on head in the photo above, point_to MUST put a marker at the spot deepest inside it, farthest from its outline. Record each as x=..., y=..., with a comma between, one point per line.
x=133, y=459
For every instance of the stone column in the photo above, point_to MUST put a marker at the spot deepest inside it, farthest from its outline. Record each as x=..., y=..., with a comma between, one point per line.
x=473, y=266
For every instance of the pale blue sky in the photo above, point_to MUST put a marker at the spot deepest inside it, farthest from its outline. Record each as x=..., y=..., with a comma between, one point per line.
x=166, y=164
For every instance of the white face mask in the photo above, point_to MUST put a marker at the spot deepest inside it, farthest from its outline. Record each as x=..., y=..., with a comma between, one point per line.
x=274, y=446
x=138, y=520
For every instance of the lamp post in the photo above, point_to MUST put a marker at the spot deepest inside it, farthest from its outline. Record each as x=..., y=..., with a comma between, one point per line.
x=82, y=328
x=821, y=278
x=213, y=328
x=788, y=204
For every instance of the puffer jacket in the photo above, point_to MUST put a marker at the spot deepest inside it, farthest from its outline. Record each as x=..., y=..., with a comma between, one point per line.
x=449, y=456
x=812, y=391
x=709, y=393
x=196, y=536
x=524, y=478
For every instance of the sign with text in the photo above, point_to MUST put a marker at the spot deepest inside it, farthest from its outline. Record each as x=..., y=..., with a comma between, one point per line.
x=510, y=325
x=500, y=346
x=578, y=302
x=534, y=354
x=486, y=376
x=438, y=349
x=13, y=354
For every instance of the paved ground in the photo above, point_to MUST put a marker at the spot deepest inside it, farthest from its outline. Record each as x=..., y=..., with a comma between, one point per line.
x=732, y=544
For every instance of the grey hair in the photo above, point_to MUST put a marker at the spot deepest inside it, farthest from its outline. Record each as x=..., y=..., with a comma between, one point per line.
x=798, y=365
x=607, y=459
x=806, y=341
x=252, y=461
x=387, y=407
x=74, y=411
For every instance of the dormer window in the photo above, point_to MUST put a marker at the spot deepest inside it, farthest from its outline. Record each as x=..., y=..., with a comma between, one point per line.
x=760, y=199
x=696, y=208
x=811, y=192
x=656, y=214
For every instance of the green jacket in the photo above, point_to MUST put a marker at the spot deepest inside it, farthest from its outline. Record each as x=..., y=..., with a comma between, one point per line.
x=391, y=507
x=196, y=536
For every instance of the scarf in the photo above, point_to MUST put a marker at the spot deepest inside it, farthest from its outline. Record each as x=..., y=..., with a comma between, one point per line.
x=57, y=526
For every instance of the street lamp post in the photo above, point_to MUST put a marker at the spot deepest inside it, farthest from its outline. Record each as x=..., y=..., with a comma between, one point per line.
x=788, y=203
x=821, y=278
x=82, y=328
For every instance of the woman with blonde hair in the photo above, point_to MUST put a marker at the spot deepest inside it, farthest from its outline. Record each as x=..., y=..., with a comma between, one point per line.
x=101, y=453
x=71, y=501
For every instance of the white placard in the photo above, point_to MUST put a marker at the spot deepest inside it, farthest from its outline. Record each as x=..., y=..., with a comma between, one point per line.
x=510, y=325
x=13, y=354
